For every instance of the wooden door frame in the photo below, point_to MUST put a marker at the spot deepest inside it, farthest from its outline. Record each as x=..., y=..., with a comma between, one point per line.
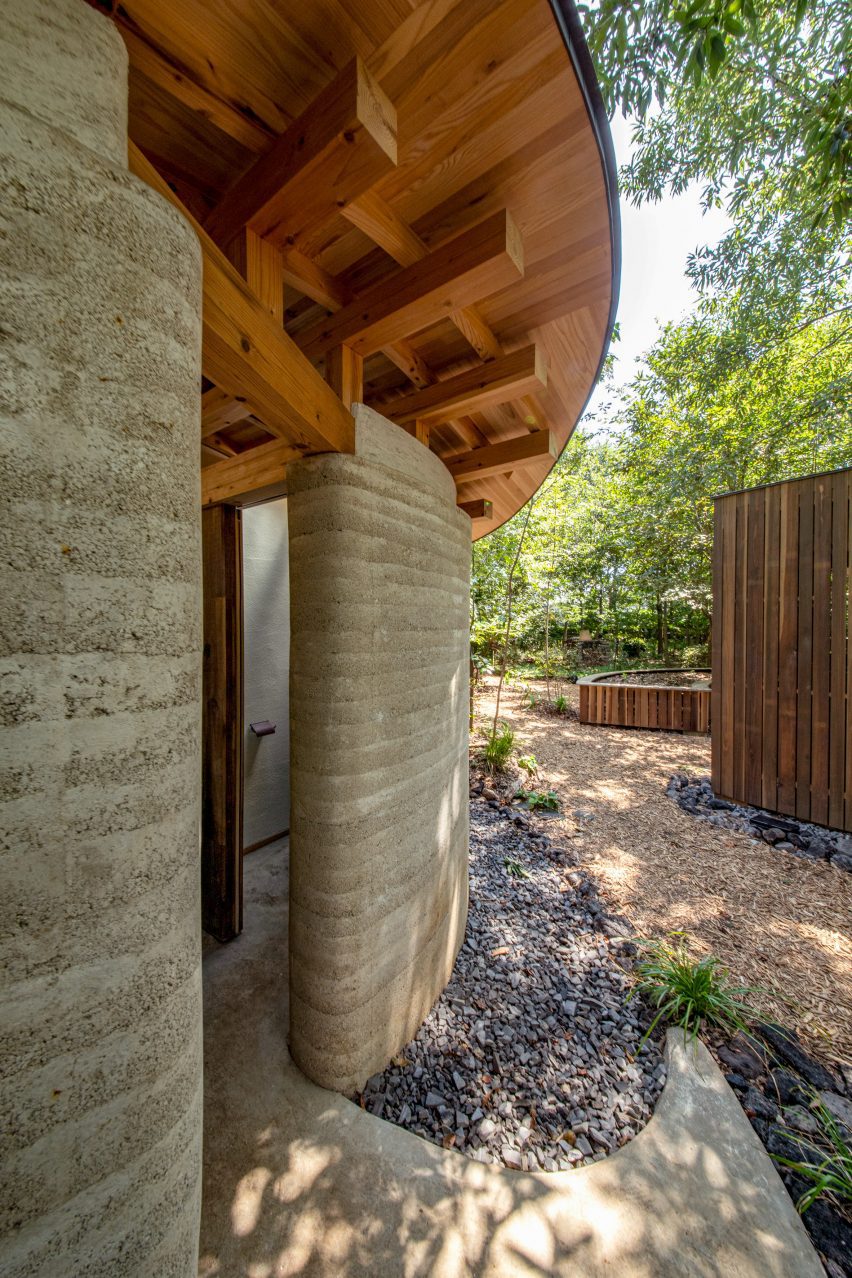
x=222, y=723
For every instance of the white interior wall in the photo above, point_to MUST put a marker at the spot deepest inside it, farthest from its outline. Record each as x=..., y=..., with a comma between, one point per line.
x=266, y=666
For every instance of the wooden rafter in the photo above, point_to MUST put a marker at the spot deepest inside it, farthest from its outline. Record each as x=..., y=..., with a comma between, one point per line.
x=333, y=152
x=480, y=508
x=477, y=263
x=219, y=411
x=494, y=382
x=255, y=475
x=383, y=225
x=496, y=459
x=249, y=356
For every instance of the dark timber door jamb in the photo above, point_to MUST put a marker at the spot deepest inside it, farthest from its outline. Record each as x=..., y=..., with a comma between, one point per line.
x=222, y=724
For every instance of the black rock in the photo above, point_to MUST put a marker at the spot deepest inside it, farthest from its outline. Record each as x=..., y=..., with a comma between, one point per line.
x=721, y=805
x=783, y=1146
x=761, y=1106
x=830, y=1233
x=740, y=1056
x=785, y=1044
x=736, y=1081
x=787, y=1087
x=841, y=861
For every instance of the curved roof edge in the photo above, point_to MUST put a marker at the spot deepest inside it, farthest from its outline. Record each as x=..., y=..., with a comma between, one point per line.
x=571, y=30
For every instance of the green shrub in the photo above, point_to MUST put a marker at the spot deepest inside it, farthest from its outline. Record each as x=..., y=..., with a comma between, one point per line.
x=514, y=869
x=689, y=992
x=546, y=800
x=498, y=748
x=829, y=1168
x=530, y=697
x=560, y=704
x=528, y=763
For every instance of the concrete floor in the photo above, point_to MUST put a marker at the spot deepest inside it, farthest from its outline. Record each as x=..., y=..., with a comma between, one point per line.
x=298, y=1181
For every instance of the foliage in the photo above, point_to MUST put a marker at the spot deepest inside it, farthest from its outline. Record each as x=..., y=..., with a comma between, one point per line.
x=514, y=869
x=620, y=542
x=540, y=800
x=498, y=748
x=560, y=705
x=689, y=992
x=528, y=763
x=752, y=100
x=829, y=1168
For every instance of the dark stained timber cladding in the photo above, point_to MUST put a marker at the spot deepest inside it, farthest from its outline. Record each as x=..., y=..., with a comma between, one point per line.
x=781, y=648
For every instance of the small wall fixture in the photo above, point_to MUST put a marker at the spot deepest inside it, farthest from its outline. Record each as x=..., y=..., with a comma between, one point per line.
x=263, y=728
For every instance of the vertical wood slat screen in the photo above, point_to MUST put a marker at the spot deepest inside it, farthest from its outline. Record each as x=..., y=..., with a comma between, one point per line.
x=782, y=649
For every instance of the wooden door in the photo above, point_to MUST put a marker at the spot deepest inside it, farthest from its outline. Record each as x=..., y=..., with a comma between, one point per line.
x=222, y=724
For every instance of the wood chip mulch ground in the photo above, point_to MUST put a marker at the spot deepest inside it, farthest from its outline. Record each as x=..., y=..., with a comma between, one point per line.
x=777, y=921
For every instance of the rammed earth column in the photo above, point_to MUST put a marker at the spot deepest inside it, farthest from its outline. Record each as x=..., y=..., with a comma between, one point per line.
x=100, y=664
x=380, y=579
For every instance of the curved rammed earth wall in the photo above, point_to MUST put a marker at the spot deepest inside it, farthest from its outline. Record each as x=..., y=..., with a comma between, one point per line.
x=380, y=579
x=100, y=1011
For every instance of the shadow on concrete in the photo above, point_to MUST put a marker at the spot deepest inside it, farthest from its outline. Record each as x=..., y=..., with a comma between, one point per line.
x=298, y=1180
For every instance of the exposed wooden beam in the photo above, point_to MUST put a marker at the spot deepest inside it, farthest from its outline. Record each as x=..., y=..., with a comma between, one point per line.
x=372, y=214
x=248, y=355
x=495, y=382
x=337, y=149
x=477, y=263
x=261, y=266
x=481, y=508
x=255, y=475
x=496, y=459
x=219, y=411
x=421, y=432
x=306, y=276
x=344, y=372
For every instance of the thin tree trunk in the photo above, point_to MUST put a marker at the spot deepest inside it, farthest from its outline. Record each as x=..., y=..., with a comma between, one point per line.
x=508, y=631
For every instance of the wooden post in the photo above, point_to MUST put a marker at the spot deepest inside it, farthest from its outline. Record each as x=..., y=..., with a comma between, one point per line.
x=421, y=431
x=344, y=372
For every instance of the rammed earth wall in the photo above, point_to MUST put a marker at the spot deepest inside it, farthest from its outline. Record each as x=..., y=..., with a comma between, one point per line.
x=99, y=662
x=380, y=577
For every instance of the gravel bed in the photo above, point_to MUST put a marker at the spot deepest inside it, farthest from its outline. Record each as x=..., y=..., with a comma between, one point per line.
x=528, y=1059
x=801, y=838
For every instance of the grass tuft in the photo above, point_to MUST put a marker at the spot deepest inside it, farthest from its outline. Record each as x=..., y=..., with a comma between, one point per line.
x=498, y=748
x=829, y=1168
x=690, y=992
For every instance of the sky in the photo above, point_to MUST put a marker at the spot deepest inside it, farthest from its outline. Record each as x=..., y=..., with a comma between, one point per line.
x=656, y=240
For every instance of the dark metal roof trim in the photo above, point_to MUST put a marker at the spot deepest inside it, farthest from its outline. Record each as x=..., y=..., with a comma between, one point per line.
x=571, y=29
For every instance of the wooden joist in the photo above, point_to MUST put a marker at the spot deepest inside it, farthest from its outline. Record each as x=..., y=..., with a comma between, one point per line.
x=255, y=475
x=509, y=454
x=248, y=355
x=481, y=508
x=477, y=263
x=494, y=382
x=337, y=149
x=219, y=411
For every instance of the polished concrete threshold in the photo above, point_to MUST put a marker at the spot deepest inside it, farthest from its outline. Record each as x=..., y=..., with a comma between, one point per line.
x=299, y=1181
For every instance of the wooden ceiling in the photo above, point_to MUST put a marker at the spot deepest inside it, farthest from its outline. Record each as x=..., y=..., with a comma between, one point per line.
x=417, y=191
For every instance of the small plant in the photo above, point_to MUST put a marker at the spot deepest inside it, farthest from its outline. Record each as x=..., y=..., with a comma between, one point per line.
x=498, y=748
x=560, y=705
x=689, y=992
x=530, y=698
x=830, y=1168
x=514, y=868
x=528, y=763
x=541, y=800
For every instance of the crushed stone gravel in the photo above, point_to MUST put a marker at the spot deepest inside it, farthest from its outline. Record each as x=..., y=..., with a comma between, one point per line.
x=529, y=1057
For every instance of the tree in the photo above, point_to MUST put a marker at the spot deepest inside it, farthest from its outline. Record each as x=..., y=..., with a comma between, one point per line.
x=754, y=102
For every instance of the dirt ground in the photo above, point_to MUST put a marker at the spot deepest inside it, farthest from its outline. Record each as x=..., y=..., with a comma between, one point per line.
x=777, y=921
